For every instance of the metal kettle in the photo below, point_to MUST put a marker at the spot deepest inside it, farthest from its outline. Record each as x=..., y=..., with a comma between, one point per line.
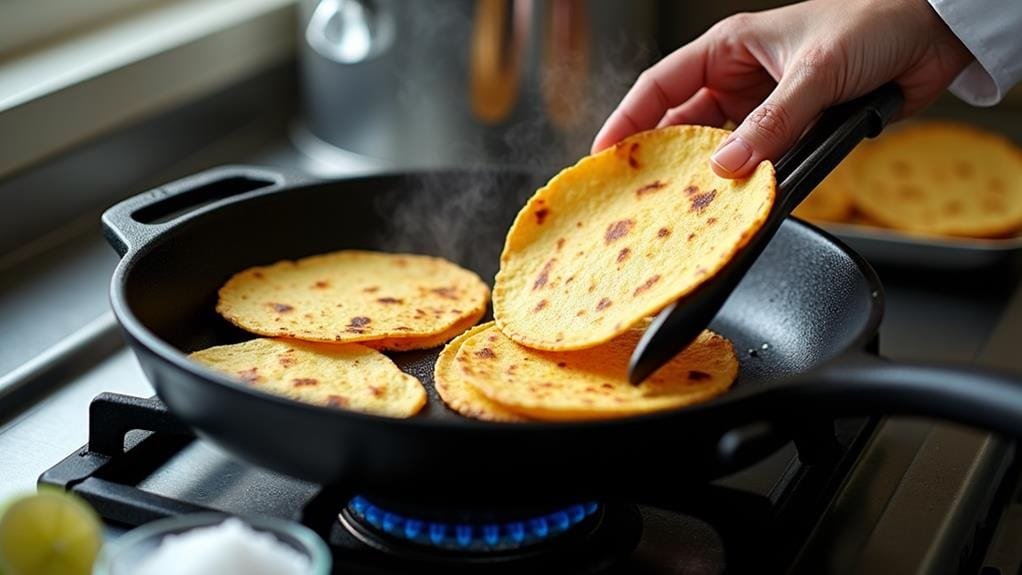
x=456, y=82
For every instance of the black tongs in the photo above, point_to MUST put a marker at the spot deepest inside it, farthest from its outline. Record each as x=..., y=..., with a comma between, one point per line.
x=833, y=137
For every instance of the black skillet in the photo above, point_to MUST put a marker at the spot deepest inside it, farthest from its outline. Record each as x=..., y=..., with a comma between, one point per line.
x=809, y=308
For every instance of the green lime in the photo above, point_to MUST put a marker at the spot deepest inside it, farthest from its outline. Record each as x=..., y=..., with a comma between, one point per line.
x=49, y=533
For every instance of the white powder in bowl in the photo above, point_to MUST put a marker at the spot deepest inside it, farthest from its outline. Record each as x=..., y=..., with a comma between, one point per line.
x=230, y=548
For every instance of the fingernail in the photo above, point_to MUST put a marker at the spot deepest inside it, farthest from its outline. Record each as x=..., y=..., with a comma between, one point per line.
x=733, y=155
x=598, y=143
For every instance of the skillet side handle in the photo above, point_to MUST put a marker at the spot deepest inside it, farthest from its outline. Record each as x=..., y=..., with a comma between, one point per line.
x=134, y=222
x=972, y=396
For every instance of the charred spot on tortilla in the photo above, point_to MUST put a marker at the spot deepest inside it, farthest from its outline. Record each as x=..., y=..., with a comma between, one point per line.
x=337, y=401
x=700, y=201
x=357, y=324
x=544, y=275
x=650, y=188
x=446, y=292
x=646, y=285
x=633, y=161
x=250, y=375
x=618, y=230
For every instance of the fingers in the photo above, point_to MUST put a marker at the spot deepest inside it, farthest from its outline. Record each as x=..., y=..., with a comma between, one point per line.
x=668, y=83
x=805, y=89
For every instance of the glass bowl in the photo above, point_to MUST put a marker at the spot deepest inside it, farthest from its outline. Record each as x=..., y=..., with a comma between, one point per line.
x=123, y=555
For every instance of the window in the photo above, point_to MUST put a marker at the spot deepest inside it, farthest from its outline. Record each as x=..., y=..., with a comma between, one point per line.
x=24, y=22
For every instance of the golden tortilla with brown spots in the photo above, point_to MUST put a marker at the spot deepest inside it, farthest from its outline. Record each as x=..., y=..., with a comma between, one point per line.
x=457, y=393
x=592, y=383
x=832, y=201
x=353, y=296
x=620, y=235
x=348, y=376
x=942, y=178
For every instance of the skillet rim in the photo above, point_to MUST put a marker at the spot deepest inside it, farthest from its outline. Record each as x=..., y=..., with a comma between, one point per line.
x=173, y=356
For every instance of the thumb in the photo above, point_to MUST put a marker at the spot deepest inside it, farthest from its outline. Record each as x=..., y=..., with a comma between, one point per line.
x=774, y=127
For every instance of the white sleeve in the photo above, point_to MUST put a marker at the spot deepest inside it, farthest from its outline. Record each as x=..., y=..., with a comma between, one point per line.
x=992, y=31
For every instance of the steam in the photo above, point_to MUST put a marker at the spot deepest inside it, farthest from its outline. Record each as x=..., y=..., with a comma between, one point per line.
x=445, y=216
x=466, y=222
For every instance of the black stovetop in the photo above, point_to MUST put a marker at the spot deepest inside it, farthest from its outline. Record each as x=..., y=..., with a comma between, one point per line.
x=139, y=455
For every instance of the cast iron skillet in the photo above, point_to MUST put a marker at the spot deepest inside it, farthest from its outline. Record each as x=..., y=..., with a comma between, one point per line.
x=809, y=308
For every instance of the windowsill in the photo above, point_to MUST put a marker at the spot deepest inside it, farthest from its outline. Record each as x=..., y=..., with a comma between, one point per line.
x=64, y=93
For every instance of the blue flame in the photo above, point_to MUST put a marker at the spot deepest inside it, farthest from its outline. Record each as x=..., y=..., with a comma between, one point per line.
x=466, y=536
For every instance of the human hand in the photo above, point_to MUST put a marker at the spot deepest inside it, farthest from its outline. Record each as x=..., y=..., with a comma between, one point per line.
x=773, y=73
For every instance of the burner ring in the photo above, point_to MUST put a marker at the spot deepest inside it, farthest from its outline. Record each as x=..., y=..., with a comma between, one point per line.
x=385, y=529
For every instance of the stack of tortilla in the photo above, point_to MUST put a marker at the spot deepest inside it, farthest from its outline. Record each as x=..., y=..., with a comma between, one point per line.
x=607, y=243
x=929, y=178
x=328, y=317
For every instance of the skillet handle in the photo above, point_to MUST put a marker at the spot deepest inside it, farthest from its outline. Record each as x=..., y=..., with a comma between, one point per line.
x=136, y=221
x=870, y=385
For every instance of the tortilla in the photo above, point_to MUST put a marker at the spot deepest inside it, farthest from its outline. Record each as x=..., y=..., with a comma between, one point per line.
x=458, y=394
x=592, y=383
x=832, y=201
x=427, y=342
x=620, y=235
x=943, y=178
x=348, y=376
x=352, y=296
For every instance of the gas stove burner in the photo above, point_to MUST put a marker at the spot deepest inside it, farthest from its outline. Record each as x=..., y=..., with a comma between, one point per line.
x=402, y=537
x=473, y=532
